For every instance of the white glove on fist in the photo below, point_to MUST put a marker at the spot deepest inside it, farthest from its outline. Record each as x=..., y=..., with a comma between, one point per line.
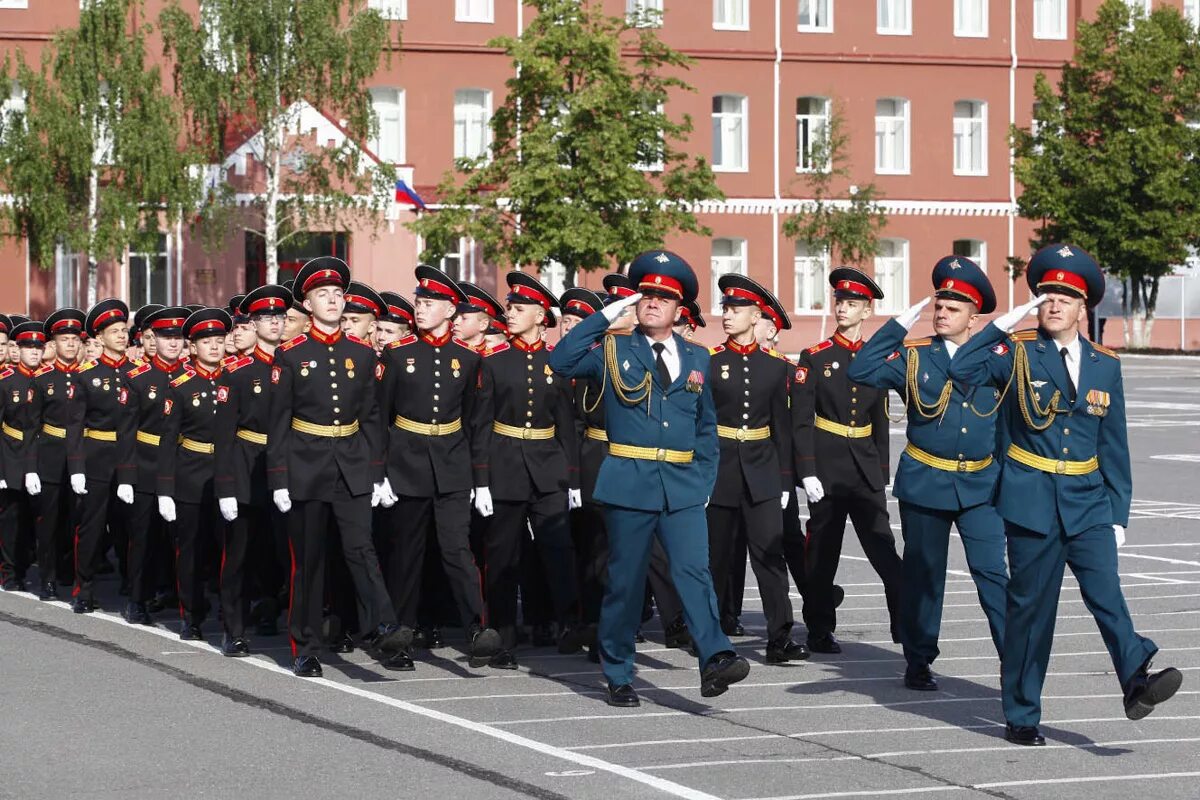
x=282, y=500
x=784, y=499
x=909, y=317
x=166, y=509
x=33, y=483
x=1119, y=532
x=611, y=312
x=229, y=509
x=574, y=499
x=125, y=493
x=483, y=501
x=79, y=484
x=813, y=489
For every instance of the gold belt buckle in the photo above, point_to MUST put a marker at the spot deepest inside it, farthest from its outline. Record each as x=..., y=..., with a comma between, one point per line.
x=741, y=435
x=435, y=429
x=527, y=433
x=660, y=454
x=1060, y=467
x=962, y=466
x=336, y=430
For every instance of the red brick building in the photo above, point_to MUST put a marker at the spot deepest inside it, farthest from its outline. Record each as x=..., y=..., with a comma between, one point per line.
x=928, y=89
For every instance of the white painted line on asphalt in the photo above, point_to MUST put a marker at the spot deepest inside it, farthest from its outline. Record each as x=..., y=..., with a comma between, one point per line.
x=1061, y=601
x=1057, y=635
x=1163, y=579
x=866, y=793
x=1181, y=562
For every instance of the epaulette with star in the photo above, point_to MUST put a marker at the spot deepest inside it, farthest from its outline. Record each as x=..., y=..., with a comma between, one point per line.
x=42, y=370
x=816, y=348
x=7, y=372
x=139, y=370
x=771, y=351
x=85, y=366
x=922, y=342
x=461, y=343
x=244, y=361
x=407, y=340
x=351, y=337
x=288, y=345
x=500, y=348
x=712, y=351
x=1099, y=348
x=182, y=379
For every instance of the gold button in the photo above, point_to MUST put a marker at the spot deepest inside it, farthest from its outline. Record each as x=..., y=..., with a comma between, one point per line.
x=337, y=411
x=333, y=386
x=1066, y=450
x=965, y=404
x=435, y=397
x=853, y=399
x=855, y=389
x=960, y=456
x=332, y=361
x=852, y=423
x=435, y=408
x=1066, y=431
x=335, y=397
x=964, y=430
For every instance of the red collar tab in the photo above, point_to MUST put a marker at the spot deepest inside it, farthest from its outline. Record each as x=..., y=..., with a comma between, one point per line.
x=742, y=349
x=203, y=373
x=113, y=362
x=324, y=338
x=63, y=366
x=521, y=344
x=663, y=283
x=436, y=341
x=263, y=355
x=164, y=366
x=24, y=370
x=853, y=347
x=963, y=288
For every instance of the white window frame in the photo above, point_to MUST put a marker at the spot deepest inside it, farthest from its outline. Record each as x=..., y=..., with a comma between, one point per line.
x=482, y=11
x=67, y=267
x=889, y=8
x=974, y=249
x=815, y=12
x=1042, y=13
x=385, y=97
x=657, y=164
x=390, y=9
x=735, y=262
x=485, y=123
x=966, y=128
x=960, y=29
x=15, y=106
x=644, y=13
x=1191, y=12
x=904, y=121
x=811, y=273
x=893, y=301
x=719, y=120
x=21, y=4
x=146, y=257
x=554, y=276
x=818, y=129
x=739, y=7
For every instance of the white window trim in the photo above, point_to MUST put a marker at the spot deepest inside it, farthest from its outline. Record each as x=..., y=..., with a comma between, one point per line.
x=401, y=102
x=1064, y=20
x=745, y=165
x=983, y=167
x=485, y=19
x=20, y=4
x=826, y=263
x=891, y=304
x=718, y=271
x=905, y=31
x=815, y=28
x=983, y=249
x=657, y=165
x=960, y=33
x=646, y=13
x=1191, y=12
x=907, y=169
x=390, y=9
x=487, y=122
x=826, y=119
x=725, y=26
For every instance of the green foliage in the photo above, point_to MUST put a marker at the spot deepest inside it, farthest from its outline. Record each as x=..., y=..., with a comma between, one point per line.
x=846, y=223
x=565, y=178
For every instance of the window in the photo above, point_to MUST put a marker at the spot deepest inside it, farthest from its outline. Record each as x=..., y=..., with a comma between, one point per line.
x=19, y=4
x=891, y=136
x=1142, y=6
x=731, y=15
x=971, y=18
x=12, y=110
x=974, y=249
x=554, y=276
x=894, y=17
x=388, y=105
x=891, y=273
x=970, y=138
x=812, y=270
x=1049, y=19
x=816, y=16
x=390, y=9
x=650, y=148
x=729, y=133
x=67, y=266
x=148, y=275
x=728, y=255
x=102, y=146
x=812, y=126
x=472, y=10
x=644, y=13
x=1191, y=11
x=472, y=115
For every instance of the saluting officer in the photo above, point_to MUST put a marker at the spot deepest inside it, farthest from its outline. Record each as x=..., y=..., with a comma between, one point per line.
x=325, y=454
x=20, y=415
x=100, y=453
x=841, y=443
x=60, y=410
x=947, y=472
x=1065, y=484
x=754, y=475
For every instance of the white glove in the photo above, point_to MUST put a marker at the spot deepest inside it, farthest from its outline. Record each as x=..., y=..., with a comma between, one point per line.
x=387, y=497
x=1119, y=532
x=613, y=311
x=283, y=500
x=125, y=493
x=79, y=484
x=166, y=509
x=1006, y=322
x=483, y=501
x=909, y=317
x=228, y=508
x=813, y=489
x=3, y=484
x=783, y=500
x=574, y=499
x=33, y=484
x=375, y=495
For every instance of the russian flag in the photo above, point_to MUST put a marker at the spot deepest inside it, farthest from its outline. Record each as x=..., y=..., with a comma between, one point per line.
x=406, y=195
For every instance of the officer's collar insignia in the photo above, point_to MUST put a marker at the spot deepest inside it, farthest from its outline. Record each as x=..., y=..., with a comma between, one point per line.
x=1037, y=384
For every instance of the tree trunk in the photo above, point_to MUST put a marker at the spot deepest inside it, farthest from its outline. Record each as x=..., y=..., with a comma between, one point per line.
x=272, y=160
x=93, y=270
x=1144, y=294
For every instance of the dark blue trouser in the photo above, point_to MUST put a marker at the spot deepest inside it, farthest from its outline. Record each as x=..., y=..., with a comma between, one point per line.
x=926, y=534
x=1036, y=565
x=684, y=537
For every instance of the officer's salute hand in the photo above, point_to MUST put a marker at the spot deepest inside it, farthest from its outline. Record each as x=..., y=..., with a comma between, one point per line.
x=1006, y=322
x=909, y=317
x=613, y=311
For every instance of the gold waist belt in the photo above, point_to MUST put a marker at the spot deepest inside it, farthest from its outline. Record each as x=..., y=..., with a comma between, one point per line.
x=54, y=430
x=1050, y=465
x=744, y=434
x=650, y=453
x=12, y=432
x=245, y=434
x=844, y=430
x=596, y=434
x=196, y=447
x=428, y=429
x=100, y=436
x=151, y=439
x=946, y=464
x=328, y=431
x=513, y=432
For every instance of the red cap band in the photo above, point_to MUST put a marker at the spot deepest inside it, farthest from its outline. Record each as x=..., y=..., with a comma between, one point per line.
x=621, y=291
x=437, y=286
x=266, y=304
x=482, y=305
x=207, y=325
x=963, y=288
x=1069, y=280
x=662, y=283
x=31, y=336
x=854, y=286
x=397, y=311
x=358, y=299
x=106, y=316
x=579, y=305
x=322, y=277
x=63, y=326
x=168, y=322
x=532, y=294
x=759, y=301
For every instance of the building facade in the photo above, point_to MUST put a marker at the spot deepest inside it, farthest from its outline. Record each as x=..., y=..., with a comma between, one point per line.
x=927, y=88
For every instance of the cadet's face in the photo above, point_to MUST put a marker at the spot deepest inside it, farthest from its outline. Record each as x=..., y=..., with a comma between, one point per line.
x=655, y=313
x=736, y=320
x=170, y=348
x=294, y=324
x=326, y=304
x=851, y=311
x=953, y=318
x=567, y=322
x=49, y=352
x=92, y=349
x=66, y=346
x=494, y=339
x=471, y=326
x=360, y=325
x=13, y=353
x=230, y=347
x=765, y=332
x=115, y=338
x=523, y=317
x=432, y=313
x=267, y=327
x=386, y=333
x=149, y=343
x=244, y=337
x=30, y=357
x=208, y=350
x=1060, y=312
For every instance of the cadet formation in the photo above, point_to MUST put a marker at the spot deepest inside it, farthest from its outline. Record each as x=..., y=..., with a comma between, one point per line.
x=350, y=469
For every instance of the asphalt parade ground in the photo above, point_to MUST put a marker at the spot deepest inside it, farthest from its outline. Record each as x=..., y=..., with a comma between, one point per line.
x=93, y=707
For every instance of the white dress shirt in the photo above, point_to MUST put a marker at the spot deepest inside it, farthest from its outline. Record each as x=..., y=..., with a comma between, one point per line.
x=670, y=354
x=1073, y=352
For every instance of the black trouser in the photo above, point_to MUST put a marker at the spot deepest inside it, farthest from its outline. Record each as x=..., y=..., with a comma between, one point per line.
x=340, y=597
x=437, y=606
x=731, y=595
x=249, y=566
x=310, y=534
x=97, y=510
x=195, y=531
x=145, y=525
x=15, y=533
x=537, y=604
x=591, y=558
x=763, y=526
x=55, y=524
x=546, y=514
x=658, y=576
x=794, y=544
x=867, y=510
x=450, y=516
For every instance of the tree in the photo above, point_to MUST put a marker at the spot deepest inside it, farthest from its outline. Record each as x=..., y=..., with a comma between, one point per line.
x=261, y=66
x=584, y=166
x=89, y=142
x=846, y=222
x=1110, y=161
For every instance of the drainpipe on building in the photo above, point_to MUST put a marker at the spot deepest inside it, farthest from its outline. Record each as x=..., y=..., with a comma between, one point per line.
x=1012, y=156
x=775, y=150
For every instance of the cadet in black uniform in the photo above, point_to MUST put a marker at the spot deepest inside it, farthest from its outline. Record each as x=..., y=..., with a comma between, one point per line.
x=20, y=415
x=395, y=322
x=100, y=453
x=841, y=443
x=435, y=434
x=325, y=454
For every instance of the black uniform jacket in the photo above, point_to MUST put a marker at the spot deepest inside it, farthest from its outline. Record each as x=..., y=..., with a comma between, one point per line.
x=20, y=414
x=148, y=383
x=111, y=414
x=58, y=385
x=189, y=412
x=243, y=404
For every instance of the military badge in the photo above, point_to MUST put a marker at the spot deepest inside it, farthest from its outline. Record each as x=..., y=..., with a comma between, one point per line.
x=801, y=374
x=122, y=395
x=695, y=381
x=168, y=404
x=223, y=394
x=275, y=372
x=379, y=368
x=349, y=363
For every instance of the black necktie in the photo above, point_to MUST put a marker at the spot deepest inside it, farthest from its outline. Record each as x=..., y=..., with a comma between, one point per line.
x=664, y=374
x=1063, y=352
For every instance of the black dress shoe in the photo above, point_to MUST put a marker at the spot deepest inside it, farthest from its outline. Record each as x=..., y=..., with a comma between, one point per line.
x=14, y=585
x=786, y=650
x=721, y=671
x=1147, y=691
x=639, y=637
x=136, y=614
x=825, y=643
x=235, y=648
x=677, y=635
x=542, y=636
x=732, y=626
x=918, y=678
x=189, y=632
x=399, y=661
x=343, y=644
x=306, y=667
x=1026, y=735
x=420, y=638
x=83, y=605
x=574, y=638
x=435, y=640
x=483, y=644
x=48, y=591
x=503, y=660
x=622, y=696
x=390, y=637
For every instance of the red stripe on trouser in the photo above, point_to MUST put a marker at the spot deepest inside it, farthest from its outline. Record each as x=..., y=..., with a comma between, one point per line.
x=75, y=588
x=292, y=598
x=178, y=586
